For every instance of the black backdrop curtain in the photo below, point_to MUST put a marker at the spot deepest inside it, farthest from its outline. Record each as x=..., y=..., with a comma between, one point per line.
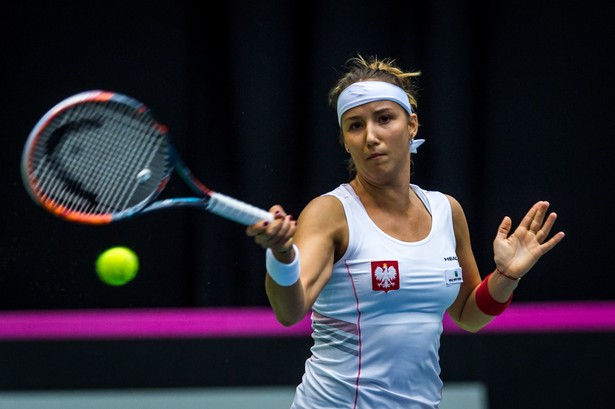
x=515, y=105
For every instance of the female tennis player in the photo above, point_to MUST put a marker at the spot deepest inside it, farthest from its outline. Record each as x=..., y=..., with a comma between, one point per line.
x=379, y=260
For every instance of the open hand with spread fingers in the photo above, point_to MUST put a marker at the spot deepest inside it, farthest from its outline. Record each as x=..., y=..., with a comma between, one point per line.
x=515, y=254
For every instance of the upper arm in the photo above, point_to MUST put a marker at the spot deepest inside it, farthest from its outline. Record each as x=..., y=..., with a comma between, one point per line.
x=465, y=255
x=321, y=232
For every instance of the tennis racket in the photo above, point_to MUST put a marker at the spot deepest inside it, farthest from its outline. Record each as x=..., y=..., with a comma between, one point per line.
x=98, y=157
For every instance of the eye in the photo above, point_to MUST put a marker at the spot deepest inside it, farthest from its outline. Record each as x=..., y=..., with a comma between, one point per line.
x=385, y=118
x=354, y=126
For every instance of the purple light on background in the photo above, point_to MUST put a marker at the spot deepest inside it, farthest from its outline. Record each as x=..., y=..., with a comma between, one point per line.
x=541, y=317
x=537, y=317
x=145, y=323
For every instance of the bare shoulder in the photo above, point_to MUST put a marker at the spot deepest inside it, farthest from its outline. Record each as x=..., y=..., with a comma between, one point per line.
x=460, y=223
x=323, y=220
x=456, y=208
x=323, y=211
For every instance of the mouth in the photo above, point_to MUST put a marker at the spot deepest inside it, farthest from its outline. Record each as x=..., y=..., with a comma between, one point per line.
x=375, y=155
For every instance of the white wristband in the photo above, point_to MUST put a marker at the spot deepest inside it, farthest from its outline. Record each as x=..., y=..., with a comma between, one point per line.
x=283, y=274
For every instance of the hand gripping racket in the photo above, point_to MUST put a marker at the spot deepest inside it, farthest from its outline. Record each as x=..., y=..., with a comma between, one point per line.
x=98, y=157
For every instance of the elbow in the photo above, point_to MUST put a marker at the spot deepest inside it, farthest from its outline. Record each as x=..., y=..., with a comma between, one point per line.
x=471, y=327
x=288, y=320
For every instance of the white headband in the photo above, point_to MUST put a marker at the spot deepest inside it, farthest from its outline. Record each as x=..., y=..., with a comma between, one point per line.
x=364, y=92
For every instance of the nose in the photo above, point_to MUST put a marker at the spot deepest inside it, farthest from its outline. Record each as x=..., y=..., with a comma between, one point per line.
x=371, y=136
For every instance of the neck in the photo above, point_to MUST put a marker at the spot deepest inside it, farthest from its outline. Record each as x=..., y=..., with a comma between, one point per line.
x=390, y=196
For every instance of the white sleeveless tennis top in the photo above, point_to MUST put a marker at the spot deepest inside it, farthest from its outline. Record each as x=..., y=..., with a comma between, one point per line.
x=377, y=323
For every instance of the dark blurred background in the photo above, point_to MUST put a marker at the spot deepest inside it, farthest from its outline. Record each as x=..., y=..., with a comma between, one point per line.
x=516, y=105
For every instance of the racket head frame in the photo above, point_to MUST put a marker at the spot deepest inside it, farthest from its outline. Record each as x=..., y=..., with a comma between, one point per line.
x=62, y=149
x=43, y=198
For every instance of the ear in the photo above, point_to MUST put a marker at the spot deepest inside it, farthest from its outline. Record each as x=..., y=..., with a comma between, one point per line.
x=411, y=133
x=413, y=126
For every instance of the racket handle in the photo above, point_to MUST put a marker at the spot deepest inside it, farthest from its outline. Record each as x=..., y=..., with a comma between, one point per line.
x=236, y=210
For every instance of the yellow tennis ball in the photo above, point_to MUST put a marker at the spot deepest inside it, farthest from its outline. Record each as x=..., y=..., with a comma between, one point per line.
x=117, y=265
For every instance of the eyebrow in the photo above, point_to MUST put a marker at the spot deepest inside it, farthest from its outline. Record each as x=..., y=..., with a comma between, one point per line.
x=378, y=111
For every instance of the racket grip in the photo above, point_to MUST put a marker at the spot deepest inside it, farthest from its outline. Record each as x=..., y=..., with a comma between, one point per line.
x=236, y=210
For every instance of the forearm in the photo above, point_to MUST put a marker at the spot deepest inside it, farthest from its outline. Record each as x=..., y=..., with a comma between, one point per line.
x=489, y=299
x=283, y=286
x=501, y=287
x=288, y=303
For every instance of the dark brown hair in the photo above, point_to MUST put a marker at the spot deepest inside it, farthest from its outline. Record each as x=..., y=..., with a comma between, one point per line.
x=372, y=68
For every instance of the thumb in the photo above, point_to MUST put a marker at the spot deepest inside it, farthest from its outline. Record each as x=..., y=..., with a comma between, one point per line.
x=257, y=228
x=504, y=229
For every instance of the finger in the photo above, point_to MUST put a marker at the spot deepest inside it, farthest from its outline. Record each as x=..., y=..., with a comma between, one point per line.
x=504, y=229
x=260, y=227
x=277, y=211
x=544, y=231
x=289, y=243
x=257, y=228
x=552, y=242
x=528, y=219
x=539, y=216
x=277, y=232
x=281, y=232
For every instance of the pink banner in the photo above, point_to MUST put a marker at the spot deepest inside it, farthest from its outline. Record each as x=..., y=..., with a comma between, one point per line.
x=260, y=322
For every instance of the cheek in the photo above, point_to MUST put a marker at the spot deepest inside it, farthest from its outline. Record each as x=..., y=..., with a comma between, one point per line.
x=351, y=141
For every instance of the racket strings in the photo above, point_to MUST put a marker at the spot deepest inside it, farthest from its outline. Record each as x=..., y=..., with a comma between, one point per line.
x=92, y=155
x=73, y=187
x=46, y=172
x=127, y=159
x=62, y=176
